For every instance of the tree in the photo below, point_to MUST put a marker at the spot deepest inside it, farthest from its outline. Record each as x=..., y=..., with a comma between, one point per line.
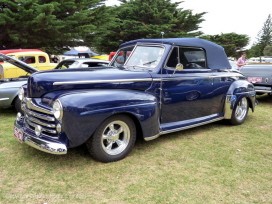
x=264, y=37
x=49, y=25
x=232, y=42
x=147, y=19
x=268, y=50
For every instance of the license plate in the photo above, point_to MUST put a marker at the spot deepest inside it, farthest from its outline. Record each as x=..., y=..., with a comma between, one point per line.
x=254, y=79
x=18, y=133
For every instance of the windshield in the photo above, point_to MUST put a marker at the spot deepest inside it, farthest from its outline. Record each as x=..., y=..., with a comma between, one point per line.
x=142, y=56
x=145, y=56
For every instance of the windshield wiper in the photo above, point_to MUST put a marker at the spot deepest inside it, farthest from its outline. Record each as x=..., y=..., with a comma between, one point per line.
x=149, y=62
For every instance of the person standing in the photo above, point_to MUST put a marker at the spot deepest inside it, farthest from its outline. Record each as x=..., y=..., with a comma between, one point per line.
x=241, y=61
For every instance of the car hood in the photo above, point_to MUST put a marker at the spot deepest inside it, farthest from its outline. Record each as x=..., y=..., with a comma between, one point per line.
x=18, y=63
x=44, y=82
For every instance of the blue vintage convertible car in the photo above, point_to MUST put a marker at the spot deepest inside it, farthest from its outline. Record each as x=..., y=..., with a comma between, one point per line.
x=153, y=87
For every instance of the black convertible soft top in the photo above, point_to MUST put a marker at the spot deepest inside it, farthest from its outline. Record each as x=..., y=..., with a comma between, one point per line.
x=216, y=56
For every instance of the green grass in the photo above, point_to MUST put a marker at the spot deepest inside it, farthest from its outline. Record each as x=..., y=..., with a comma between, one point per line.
x=215, y=163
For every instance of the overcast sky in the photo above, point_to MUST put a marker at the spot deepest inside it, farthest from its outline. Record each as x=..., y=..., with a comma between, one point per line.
x=238, y=16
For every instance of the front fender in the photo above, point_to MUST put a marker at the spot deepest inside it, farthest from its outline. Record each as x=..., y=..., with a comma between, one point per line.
x=84, y=111
x=8, y=92
x=238, y=90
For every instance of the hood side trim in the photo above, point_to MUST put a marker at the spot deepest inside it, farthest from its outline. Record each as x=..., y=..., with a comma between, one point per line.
x=101, y=81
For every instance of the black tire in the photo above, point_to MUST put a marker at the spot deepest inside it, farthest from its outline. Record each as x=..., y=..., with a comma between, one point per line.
x=17, y=105
x=113, y=140
x=240, y=112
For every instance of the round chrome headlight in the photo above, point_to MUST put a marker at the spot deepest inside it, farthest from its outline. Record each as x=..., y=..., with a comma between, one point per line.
x=57, y=109
x=21, y=93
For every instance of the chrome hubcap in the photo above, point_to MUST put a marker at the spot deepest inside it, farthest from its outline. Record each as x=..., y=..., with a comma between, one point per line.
x=115, y=137
x=241, y=109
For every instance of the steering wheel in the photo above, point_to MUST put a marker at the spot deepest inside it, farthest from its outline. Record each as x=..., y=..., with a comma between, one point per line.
x=193, y=66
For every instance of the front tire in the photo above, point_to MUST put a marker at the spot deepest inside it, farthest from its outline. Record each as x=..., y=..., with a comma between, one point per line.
x=17, y=105
x=113, y=140
x=240, y=112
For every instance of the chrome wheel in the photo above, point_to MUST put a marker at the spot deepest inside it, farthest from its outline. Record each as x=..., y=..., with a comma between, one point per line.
x=115, y=137
x=241, y=109
x=113, y=140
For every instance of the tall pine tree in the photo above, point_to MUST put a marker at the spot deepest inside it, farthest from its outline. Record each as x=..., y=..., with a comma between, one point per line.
x=147, y=19
x=264, y=38
x=49, y=25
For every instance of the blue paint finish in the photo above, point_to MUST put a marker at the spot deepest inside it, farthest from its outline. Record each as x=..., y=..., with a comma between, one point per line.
x=240, y=89
x=159, y=99
x=85, y=110
x=41, y=83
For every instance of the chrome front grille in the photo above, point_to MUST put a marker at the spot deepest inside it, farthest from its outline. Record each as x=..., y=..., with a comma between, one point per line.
x=36, y=116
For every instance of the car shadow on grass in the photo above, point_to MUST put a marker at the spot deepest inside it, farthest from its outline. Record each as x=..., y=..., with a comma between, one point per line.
x=264, y=99
x=80, y=155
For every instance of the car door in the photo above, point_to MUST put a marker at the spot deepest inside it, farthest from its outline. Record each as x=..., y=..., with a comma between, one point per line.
x=187, y=95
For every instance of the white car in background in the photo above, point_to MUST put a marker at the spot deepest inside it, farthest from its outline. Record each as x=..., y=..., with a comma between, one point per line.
x=81, y=63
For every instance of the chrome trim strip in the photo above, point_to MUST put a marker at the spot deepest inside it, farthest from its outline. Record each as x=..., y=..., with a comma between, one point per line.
x=4, y=99
x=34, y=120
x=191, y=126
x=229, y=103
x=189, y=78
x=44, y=145
x=40, y=116
x=31, y=105
x=102, y=81
x=134, y=80
x=152, y=137
x=182, y=128
x=43, y=129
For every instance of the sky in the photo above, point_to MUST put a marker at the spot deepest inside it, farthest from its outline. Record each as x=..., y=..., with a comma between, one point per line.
x=227, y=16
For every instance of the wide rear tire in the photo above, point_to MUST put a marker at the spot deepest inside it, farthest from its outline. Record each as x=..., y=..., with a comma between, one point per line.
x=113, y=140
x=240, y=112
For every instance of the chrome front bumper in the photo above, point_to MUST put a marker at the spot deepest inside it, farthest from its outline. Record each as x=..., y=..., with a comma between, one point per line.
x=42, y=144
x=263, y=89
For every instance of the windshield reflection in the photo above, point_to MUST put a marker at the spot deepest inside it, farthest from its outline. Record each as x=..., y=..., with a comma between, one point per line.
x=144, y=56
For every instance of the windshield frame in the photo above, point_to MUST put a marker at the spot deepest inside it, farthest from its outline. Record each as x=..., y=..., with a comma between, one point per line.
x=134, y=52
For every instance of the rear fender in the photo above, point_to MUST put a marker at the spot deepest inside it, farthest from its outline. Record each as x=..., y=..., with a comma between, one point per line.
x=238, y=90
x=84, y=111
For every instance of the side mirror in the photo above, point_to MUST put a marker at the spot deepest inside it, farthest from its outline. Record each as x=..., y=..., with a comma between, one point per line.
x=179, y=67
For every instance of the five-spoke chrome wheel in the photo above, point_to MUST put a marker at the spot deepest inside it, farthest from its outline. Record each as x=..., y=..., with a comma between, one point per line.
x=240, y=112
x=241, y=109
x=113, y=140
x=115, y=137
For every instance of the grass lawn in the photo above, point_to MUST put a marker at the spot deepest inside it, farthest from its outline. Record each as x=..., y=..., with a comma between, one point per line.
x=215, y=163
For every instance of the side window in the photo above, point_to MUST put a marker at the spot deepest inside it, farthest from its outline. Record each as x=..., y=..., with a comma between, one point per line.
x=42, y=59
x=27, y=59
x=192, y=57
